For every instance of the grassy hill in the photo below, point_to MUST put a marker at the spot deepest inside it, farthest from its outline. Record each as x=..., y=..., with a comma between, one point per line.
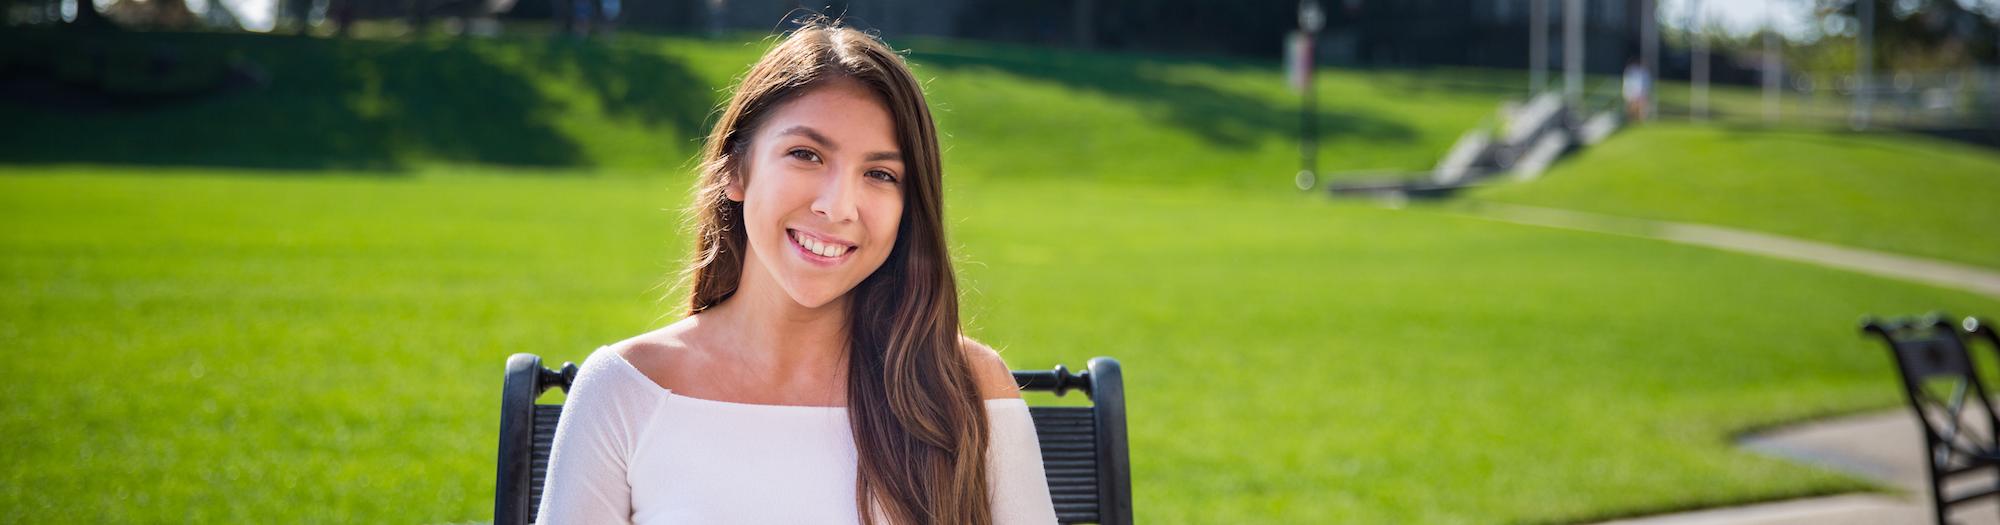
x=292, y=303
x=1893, y=192
x=639, y=105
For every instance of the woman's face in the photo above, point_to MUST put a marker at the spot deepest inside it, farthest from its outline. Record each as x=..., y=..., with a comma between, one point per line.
x=824, y=194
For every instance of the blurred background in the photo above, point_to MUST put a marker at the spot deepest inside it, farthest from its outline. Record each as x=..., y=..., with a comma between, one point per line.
x=1439, y=261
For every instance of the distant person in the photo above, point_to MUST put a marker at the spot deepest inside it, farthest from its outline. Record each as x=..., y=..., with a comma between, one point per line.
x=820, y=375
x=1638, y=90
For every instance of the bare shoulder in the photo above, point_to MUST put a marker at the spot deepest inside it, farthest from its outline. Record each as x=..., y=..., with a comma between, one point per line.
x=661, y=353
x=989, y=371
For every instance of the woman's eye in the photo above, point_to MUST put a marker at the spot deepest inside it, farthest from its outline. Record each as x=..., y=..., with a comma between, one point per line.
x=804, y=154
x=882, y=175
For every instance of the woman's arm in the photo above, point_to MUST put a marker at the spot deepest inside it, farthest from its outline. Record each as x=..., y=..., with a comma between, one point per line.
x=587, y=462
x=1014, y=467
x=1013, y=454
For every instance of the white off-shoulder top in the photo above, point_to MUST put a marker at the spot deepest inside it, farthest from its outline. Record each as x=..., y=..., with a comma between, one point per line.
x=629, y=451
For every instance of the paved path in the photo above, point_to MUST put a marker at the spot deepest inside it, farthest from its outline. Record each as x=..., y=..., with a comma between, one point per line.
x=1883, y=446
x=1929, y=271
x=1856, y=509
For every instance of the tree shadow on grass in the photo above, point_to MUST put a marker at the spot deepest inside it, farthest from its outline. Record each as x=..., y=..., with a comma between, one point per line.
x=1222, y=118
x=350, y=105
x=635, y=84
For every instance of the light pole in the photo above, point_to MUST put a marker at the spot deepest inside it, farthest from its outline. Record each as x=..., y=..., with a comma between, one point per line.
x=1772, y=64
x=1538, y=46
x=1649, y=42
x=1864, y=63
x=1573, y=54
x=1311, y=20
x=1698, y=42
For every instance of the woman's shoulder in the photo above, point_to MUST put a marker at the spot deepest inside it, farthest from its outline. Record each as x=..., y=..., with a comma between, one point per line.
x=606, y=374
x=989, y=371
x=658, y=354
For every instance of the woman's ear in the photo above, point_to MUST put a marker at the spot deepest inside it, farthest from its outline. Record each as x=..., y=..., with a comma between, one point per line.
x=734, y=189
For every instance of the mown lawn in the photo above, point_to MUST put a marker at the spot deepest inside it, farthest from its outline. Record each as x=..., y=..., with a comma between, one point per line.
x=301, y=338
x=245, y=347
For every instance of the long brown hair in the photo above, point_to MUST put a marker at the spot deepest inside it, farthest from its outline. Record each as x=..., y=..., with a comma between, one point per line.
x=919, y=425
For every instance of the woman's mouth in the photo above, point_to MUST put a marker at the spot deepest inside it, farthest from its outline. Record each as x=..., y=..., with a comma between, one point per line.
x=817, y=248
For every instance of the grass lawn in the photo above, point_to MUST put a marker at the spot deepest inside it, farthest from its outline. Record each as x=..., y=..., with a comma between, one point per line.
x=236, y=347
x=1890, y=192
x=219, y=333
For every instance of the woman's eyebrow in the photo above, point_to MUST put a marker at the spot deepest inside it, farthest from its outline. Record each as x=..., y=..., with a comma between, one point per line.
x=816, y=136
x=810, y=134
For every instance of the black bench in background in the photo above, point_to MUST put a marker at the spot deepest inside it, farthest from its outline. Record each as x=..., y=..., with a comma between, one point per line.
x=1084, y=451
x=1958, y=419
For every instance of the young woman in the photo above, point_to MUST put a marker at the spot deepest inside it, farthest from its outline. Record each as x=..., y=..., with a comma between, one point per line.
x=820, y=375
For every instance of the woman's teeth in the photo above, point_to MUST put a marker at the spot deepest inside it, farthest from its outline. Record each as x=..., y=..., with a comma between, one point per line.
x=824, y=249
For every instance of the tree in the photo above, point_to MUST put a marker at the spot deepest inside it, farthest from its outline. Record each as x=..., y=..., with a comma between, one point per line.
x=1921, y=34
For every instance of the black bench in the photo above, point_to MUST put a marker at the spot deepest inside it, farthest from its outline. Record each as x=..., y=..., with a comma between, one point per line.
x=1083, y=448
x=1943, y=386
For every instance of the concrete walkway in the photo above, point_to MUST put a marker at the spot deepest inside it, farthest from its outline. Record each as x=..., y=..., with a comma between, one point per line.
x=1884, y=446
x=1974, y=279
x=1858, y=509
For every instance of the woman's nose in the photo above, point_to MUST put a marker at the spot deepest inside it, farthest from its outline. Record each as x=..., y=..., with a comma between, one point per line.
x=836, y=198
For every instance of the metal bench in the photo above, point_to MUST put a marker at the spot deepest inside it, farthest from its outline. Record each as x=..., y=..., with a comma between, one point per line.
x=1943, y=386
x=1083, y=448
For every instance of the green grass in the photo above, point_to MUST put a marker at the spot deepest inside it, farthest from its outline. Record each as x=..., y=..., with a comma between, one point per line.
x=220, y=318
x=1890, y=192
x=238, y=347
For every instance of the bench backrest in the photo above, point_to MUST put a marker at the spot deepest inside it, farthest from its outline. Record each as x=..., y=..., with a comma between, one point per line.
x=1084, y=451
x=1940, y=380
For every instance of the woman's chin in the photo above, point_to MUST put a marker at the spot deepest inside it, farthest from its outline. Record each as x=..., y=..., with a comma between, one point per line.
x=814, y=297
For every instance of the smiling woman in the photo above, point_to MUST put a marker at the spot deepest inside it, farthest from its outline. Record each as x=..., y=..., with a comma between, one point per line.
x=820, y=375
